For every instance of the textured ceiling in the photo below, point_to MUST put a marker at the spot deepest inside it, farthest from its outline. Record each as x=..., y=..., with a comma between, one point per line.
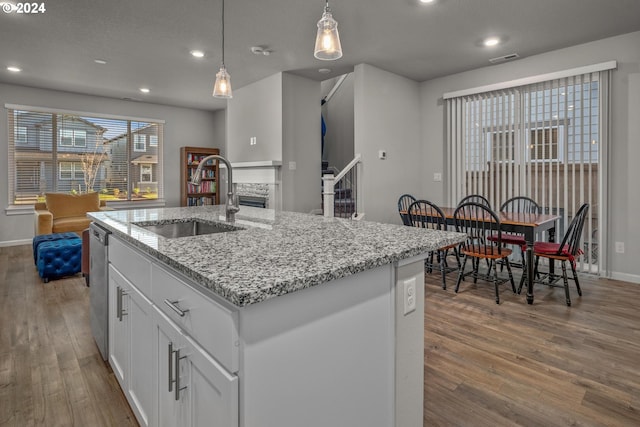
x=147, y=42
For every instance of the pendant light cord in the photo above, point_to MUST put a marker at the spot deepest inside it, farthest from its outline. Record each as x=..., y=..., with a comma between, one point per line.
x=223, y=32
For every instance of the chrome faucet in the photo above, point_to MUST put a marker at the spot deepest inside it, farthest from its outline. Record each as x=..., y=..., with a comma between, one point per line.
x=232, y=201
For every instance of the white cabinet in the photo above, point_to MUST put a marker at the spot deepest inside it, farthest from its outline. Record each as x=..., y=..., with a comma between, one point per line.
x=193, y=389
x=131, y=344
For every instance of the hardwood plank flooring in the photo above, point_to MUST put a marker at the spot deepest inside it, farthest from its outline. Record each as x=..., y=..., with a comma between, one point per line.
x=51, y=372
x=485, y=364
x=544, y=364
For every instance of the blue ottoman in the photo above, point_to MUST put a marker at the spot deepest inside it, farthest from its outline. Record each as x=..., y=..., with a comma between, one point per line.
x=50, y=238
x=58, y=258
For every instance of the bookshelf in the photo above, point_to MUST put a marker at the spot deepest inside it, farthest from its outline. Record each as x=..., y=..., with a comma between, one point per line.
x=207, y=194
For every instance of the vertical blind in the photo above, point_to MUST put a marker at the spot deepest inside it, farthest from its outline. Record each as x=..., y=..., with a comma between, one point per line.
x=545, y=140
x=55, y=151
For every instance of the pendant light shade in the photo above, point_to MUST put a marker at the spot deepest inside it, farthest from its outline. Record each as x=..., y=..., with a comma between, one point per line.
x=222, y=86
x=328, y=46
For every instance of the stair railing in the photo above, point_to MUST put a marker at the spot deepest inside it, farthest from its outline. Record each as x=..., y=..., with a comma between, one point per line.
x=342, y=193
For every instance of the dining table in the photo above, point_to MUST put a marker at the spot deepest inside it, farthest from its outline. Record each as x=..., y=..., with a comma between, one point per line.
x=526, y=223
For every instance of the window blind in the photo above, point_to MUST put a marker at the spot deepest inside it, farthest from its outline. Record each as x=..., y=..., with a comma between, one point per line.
x=58, y=151
x=545, y=140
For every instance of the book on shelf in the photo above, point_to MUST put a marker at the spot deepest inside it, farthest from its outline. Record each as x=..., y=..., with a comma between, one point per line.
x=206, y=173
x=205, y=187
x=199, y=201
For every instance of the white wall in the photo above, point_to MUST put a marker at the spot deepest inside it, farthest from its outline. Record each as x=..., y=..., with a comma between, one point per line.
x=338, y=116
x=301, y=188
x=624, y=172
x=182, y=127
x=387, y=117
x=256, y=111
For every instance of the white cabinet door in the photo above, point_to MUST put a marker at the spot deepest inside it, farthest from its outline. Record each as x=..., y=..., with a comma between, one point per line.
x=140, y=384
x=167, y=339
x=130, y=344
x=118, y=327
x=193, y=389
x=213, y=391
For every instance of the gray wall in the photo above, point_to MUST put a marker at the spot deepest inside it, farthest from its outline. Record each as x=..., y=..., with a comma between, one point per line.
x=256, y=111
x=624, y=173
x=283, y=113
x=301, y=188
x=387, y=117
x=338, y=116
x=183, y=127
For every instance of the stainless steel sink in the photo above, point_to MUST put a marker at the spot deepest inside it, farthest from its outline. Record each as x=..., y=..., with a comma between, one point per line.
x=191, y=227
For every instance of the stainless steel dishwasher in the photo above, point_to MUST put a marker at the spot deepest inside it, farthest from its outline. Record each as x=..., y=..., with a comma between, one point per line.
x=99, y=287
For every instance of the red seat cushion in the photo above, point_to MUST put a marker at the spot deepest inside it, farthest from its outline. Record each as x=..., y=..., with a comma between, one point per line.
x=511, y=239
x=552, y=248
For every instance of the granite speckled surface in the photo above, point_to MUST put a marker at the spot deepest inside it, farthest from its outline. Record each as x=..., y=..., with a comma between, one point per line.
x=275, y=253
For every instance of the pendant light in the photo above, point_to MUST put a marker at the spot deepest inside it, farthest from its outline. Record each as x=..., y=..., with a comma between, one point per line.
x=327, y=41
x=222, y=87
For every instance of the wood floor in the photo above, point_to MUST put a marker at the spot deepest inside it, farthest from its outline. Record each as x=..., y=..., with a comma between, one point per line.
x=485, y=364
x=51, y=373
x=544, y=364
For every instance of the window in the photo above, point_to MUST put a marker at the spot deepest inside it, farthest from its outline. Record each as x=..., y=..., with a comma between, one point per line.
x=542, y=140
x=146, y=173
x=153, y=140
x=21, y=135
x=73, y=138
x=71, y=170
x=51, y=151
x=139, y=142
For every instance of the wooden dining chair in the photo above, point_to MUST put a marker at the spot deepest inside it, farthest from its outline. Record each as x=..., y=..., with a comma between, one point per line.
x=566, y=251
x=518, y=204
x=403, y=206
x=479, y=222
x=425, y=214
x=475, y=198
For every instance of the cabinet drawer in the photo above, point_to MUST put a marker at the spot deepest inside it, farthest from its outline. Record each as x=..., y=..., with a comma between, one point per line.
x=133, y=265
x=211, y=325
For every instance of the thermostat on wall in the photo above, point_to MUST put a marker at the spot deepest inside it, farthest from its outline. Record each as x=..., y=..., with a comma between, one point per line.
x=382, y=154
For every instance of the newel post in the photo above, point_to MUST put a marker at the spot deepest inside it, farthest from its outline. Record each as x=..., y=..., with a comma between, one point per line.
x=328, y=194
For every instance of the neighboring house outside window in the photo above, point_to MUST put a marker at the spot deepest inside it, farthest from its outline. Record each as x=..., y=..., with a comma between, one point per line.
x=51, y=152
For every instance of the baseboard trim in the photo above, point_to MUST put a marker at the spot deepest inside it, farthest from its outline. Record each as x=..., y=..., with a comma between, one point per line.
x=633, y=278
x=15, y=242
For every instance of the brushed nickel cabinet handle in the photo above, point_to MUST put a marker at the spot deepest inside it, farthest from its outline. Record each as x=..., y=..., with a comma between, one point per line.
x=173, y=305
x=178, y=389
x=170, y=367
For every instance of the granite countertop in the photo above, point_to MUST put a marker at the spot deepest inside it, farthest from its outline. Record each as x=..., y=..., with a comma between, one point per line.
x=275, y=253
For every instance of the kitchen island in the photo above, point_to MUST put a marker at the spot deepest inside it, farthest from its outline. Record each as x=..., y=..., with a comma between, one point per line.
x=279, y=319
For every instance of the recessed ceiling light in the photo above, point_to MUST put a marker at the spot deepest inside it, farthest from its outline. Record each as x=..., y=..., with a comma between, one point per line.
x=324, y=70
x=197, y=53
x=426, y=1
x=14, y=69
x=100, y=61
x=144, y=90
x=491, y=41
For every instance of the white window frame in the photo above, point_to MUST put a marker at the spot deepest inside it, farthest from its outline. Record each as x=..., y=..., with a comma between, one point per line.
x=516, y=149
x=146, y=169
x=73, y=134
x=153, y=140
x=74, y=169
x=139, y=139
x=22, y=135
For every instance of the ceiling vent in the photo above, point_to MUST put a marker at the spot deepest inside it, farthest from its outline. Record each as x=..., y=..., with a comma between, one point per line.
x=504, y=58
